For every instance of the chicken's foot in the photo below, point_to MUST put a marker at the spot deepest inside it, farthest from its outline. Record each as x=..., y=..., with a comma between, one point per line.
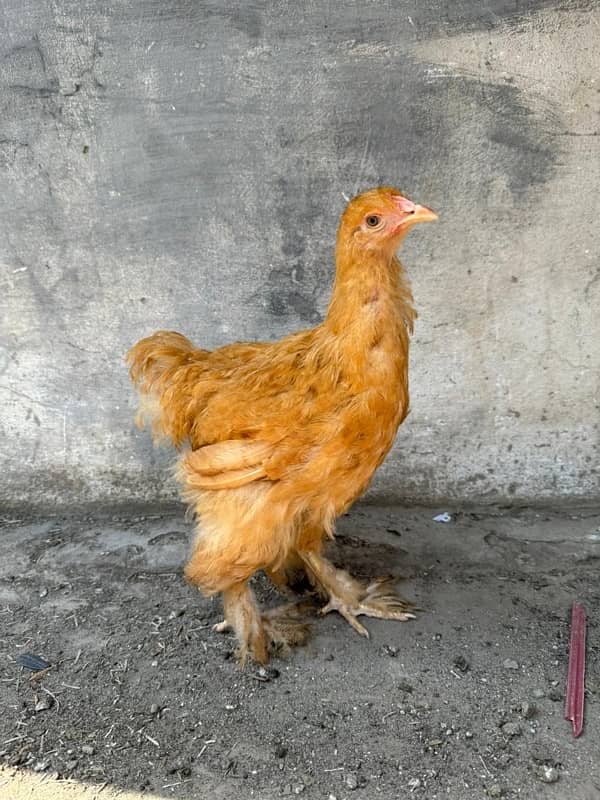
x=351, y=599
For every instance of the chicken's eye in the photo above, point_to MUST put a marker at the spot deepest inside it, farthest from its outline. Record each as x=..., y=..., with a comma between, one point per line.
x=373, y=220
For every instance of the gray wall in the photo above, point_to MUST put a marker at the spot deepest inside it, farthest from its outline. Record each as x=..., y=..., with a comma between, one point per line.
x=181, y=164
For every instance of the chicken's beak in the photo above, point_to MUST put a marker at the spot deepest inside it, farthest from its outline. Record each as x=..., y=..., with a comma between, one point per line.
x=411, y=213
x=423, y=214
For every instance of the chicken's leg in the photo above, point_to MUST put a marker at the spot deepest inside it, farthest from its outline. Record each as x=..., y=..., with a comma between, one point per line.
x=290, y=578
x=260, y=634
x=350, y=598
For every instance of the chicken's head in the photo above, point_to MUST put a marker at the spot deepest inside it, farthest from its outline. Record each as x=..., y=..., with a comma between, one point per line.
x=380, y=218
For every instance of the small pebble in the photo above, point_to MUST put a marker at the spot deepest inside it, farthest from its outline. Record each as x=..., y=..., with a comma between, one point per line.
x=332, y=797
x=548, y=774
x=280, y=751
x=388, y=650
x=528, y=710
x=41, y=766
x=178, y=766
x=414, y=783
x=461, y=664
x=468, y=734
x=88, y=749
x=299, y=788
x=154, y=708
x=495, y=790
x=405, y=686
x=351, y=780
x=539, y=693
x=512, y=729
x=265, y=674
x=555, y=695
x=44, y=593
x=510, y=663
x=540, y=755
x=44, y=703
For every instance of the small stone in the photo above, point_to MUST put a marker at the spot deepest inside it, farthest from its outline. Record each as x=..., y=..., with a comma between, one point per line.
x=541, y=756
x=547, y=774
x=280, y=751
x=555, y=695
x=299, y=788
x=512, y=729
x=461, y=664
x=351, y=780
x=495, y=790
x=88, y=749
x=405, y=686
x=265, y=674
x=44, y=593
x=510, y=663
x=44, y=703
x=154, y=708
x=539, y=693
x=180, y=766
x=414, y=783
x=528, y=710
x=332, y=797
x=389, y=650
x=70, y=765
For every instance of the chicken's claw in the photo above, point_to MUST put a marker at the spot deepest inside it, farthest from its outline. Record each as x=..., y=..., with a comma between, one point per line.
x=379, y=600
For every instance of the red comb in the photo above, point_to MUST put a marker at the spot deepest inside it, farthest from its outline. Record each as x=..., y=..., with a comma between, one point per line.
x=576, y=676
x=404, y=204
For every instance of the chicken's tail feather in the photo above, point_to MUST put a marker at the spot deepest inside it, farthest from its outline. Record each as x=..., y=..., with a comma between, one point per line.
x=155, y=365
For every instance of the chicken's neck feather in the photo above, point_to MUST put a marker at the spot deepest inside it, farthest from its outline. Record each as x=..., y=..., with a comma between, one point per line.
x=371, y=299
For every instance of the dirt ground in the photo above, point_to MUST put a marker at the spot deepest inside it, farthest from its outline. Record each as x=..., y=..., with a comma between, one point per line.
x=464, y=702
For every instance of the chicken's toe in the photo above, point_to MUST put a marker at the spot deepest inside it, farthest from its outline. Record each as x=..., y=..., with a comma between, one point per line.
x=348, y=613
x=382, y=601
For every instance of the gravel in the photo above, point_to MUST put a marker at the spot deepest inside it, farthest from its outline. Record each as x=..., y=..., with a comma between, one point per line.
x=145, y=694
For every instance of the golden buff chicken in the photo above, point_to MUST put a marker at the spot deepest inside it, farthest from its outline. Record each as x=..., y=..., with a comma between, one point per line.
x=279, y=438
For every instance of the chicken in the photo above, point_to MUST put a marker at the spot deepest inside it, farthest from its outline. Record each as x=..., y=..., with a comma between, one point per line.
x=277, y=439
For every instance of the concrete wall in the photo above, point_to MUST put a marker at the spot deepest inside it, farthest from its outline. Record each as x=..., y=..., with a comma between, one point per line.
x=181, y=164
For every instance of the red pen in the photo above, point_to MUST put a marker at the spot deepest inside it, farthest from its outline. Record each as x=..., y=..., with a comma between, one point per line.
x=575, y=698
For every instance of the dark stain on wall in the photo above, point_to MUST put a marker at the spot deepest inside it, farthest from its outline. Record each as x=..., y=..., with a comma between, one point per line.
x=197, y=155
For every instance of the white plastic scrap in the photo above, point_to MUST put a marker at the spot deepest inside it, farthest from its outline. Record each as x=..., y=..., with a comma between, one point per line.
x=445, y=517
